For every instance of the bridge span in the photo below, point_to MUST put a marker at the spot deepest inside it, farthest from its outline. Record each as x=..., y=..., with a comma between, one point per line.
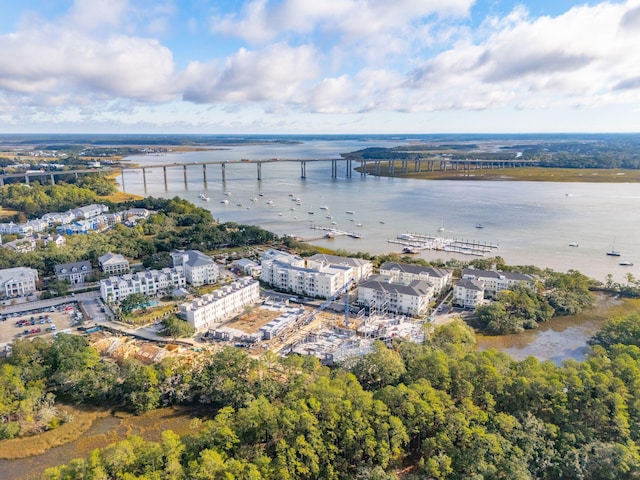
x=366, y=167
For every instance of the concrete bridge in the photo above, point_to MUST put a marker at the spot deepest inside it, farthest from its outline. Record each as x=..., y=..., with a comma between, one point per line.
x=366, y=167
x=224, y=163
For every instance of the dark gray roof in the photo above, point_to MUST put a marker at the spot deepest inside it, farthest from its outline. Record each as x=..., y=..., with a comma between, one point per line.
x=415, y=269
x=382, y=282
x=338, y=260
x=82, y=266
x=496, y=274
x=470, y=284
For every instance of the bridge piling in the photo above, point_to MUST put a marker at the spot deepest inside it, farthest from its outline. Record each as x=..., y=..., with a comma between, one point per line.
x=164, y=170
x=121, y=176
x=224, y=172
x=144, y=179
x=349, y=168
x=184, y=173
x=303, y=169
x=204, y=174
x=259, y=168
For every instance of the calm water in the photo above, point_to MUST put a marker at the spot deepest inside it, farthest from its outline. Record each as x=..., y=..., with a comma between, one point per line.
x=532, y=222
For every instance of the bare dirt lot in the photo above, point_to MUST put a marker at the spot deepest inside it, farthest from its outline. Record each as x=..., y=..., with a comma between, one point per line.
x=252, y=321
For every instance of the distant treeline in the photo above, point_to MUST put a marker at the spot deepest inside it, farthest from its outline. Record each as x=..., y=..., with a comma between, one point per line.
x=615, y=152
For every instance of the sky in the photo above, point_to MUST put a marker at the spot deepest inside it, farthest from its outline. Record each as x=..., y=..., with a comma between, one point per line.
x=319, y=66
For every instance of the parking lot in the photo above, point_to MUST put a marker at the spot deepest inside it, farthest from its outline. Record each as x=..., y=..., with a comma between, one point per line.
x=38, y=322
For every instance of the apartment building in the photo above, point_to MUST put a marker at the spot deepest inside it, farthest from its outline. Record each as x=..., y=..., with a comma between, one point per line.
x=199, y=269
x=151, y=283
x=361, y=269
x=495, y=281
x=113, y=263
x=383, y=293
x=223, y=304
x=439, y=278
x=468, y=293
x=17, y=282
x=74, y=273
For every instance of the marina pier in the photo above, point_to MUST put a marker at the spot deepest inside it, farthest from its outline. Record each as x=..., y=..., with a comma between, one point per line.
x=416, y=241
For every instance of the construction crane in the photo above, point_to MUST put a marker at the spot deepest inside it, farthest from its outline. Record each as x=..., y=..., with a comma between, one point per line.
x=341, y=290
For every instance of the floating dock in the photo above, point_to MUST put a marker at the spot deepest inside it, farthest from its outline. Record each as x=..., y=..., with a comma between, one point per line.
x=334, y=232
x=417, y=241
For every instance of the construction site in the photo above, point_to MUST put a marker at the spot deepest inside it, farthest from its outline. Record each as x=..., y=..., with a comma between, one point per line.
x=333, y=332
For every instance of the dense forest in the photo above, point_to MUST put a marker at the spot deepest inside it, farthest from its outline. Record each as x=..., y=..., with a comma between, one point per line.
x=437, y=410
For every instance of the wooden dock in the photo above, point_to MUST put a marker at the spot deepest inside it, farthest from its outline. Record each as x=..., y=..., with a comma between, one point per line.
x=418, y=241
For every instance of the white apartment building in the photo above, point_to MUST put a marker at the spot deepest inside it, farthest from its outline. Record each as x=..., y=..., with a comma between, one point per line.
x=494, y=281
x=151, y=283
x=320, y=277
x=223, y=304
x=468, y=293
x=282, y=257
x=113, y=263
x=321, y=283
x=16, y=228
x=17, y=282
x=410, y=298
x=440, y=278
x=199, y=269
x=89, y=211
x=361, y=269
x=61, y=218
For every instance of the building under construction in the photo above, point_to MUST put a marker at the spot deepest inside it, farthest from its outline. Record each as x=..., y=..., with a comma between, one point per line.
x=342, y=338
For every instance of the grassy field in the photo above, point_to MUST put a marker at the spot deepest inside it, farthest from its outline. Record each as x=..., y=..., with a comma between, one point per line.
x=524, y=174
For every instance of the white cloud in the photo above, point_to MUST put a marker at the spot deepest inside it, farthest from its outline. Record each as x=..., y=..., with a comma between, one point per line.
x=49, y=61
x=574, y=59
x=261, y=21
x=274, y=73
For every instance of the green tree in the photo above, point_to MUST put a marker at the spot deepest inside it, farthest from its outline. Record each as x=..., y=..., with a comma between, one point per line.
x=175, y=327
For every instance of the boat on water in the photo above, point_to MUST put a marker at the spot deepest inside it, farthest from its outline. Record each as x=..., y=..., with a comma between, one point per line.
x=613, y=252
x=324, y=207
x=626, y=263
x=254, y=199
x=270, y=202
x=573, y=244
x=261, y=194
x=225, y=201
x=409, y=250
x=479, y=225
x=310, y=212
x=333, y=223
x=350, y=212
x=227, y=193
x=279, y=214
x=358, y=224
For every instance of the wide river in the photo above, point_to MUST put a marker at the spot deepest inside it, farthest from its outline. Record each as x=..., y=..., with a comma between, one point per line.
x=532, y=222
